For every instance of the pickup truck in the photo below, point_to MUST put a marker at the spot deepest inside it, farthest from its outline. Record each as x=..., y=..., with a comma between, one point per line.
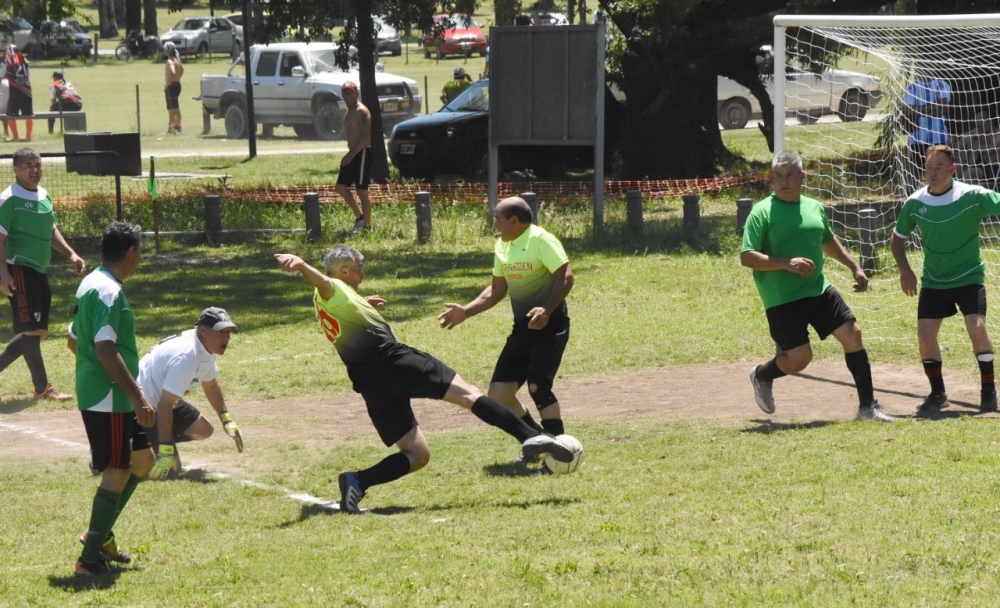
x=298, y=84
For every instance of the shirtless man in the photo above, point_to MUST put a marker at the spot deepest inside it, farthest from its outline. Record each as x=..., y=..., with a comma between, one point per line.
x=356, y=166
x=173, y=71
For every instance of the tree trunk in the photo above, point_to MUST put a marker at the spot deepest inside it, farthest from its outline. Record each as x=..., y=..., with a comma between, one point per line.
x=149, y=16
x=133, y=15
x=369, y=92
x=108, y=21
x=504, y=11
x=120, y=15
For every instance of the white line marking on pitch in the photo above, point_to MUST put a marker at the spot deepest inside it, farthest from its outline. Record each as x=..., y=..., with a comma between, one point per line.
x=309, y=499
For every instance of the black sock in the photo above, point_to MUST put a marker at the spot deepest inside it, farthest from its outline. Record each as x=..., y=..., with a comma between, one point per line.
x=494, y=414
x=770, y=371
x=932, y=369
x=861, y=369
x=985, y=361
x=388, y=469
x=33, y=357
x=13, y=351
x=553, y=426
x=527, y=419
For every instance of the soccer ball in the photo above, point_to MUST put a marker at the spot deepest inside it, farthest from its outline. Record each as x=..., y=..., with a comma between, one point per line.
x=561, y=468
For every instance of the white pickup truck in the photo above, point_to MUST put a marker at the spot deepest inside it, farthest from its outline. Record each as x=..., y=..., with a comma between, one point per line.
x=298, y=84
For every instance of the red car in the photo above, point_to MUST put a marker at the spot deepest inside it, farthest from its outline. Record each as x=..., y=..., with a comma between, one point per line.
x=455, y=35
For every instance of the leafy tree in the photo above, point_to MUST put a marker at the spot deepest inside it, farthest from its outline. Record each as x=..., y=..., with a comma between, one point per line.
x=316, y=18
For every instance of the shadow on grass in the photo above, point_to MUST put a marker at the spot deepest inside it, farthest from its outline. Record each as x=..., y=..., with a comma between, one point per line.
x=510, y=469
x=16, y=405
x=90, y=583
x=512, y=504
x=765, y=426
x=198, y=476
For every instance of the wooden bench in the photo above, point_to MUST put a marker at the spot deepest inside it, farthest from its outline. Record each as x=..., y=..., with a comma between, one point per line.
x=72, y=121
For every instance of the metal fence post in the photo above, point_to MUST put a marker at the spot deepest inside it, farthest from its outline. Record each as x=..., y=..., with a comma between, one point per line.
x=532, y=199
x=867, y=220
x=633, y=211
x=314, y=224
x=213, y=219
x=743, y=207
x=692, y=213
x=422, y=206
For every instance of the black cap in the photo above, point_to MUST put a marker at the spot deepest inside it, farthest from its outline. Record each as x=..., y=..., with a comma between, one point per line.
x=216, y=318
x=57, y=74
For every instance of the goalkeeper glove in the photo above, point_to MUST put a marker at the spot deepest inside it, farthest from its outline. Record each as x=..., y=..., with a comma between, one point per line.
x=165, y=462
x=232, y=430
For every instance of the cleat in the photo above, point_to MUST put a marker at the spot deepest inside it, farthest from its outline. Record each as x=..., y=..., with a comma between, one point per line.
x=932, y=404
x=52, y=393
x=988, y=401
x=533, y=448
x=95, y=568
x=762, y=392
x=359, y=225
x=874, y=412
x=350, y=493
x=110, y=551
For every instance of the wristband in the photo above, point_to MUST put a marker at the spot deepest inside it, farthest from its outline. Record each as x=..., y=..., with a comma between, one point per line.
x=225, y=417
x=166, y=449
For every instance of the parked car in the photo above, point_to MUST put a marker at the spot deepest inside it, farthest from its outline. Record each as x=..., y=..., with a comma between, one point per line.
x=17, y=30
x=455, y=141
x=387, y=38
x=61, y=38
x=456, y=35
x=203, y=35
x=810, y=92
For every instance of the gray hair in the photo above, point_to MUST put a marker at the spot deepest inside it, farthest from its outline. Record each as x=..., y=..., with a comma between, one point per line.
x=23, y=155
x=338, y=256
x=787, y=157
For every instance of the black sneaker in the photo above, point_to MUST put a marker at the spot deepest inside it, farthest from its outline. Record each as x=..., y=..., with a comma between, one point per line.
x=533, y=448
x=359, y=225
x=932, y=404
x=95, y=568
x=110, y=551
x=988, y=401
x=350, y=493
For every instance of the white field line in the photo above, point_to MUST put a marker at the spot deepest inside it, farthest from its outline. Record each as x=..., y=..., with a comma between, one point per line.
x=303, y=497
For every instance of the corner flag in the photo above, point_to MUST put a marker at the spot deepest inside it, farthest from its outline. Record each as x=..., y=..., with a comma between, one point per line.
x=151, y=186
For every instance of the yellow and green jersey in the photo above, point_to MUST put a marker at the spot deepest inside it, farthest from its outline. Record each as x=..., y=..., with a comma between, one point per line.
x=949, y=232
x=527, y=264
x=358, y=332
x=789, y=230
x=27, y=220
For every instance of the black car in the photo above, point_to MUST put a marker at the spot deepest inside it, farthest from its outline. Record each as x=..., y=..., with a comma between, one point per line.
x=455, y=141
x=55, y=38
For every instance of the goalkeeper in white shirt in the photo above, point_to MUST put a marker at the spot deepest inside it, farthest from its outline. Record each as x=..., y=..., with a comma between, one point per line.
x=170, y=371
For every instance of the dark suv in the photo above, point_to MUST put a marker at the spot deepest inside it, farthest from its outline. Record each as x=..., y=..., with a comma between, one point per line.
x=455, y=141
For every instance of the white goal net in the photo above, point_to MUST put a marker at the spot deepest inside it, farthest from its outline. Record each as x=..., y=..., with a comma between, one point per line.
x=858, y=98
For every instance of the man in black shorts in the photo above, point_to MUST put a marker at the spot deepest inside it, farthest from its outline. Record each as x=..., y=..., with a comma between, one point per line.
x=356, y=166
x=785, y=240
x=388, y=373
x=531, y=265
x=19, y=103
x=28, y=235
x=948, y=213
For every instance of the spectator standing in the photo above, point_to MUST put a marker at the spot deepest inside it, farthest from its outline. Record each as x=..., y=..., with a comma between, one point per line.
x=28, y=234
x=173, y=71
x=63, y=97
x=925, y=104
x=356, y=166
x=459, y=82
x=19, y=103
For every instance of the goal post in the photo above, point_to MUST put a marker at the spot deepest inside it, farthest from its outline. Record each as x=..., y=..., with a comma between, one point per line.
x=850, y=96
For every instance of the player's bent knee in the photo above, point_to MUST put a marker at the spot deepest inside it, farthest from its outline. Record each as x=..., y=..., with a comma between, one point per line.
x=541, y=393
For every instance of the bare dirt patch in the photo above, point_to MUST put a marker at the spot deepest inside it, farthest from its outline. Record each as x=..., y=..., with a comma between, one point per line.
x=824, y=392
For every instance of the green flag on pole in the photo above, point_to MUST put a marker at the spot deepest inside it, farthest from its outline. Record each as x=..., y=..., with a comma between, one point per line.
x=151, y=186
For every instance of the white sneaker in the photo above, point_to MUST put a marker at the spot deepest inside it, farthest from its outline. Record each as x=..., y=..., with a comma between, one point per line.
x=762, y=392
x=874, y=412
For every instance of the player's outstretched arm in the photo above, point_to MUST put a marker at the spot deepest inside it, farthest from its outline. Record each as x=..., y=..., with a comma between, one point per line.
x=486, y=300
x=290, y=263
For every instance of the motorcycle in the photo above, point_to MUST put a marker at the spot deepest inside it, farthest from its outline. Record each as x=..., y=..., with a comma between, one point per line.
x=137, y=45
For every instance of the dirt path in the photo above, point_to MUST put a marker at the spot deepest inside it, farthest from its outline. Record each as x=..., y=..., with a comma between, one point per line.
x=711, y=392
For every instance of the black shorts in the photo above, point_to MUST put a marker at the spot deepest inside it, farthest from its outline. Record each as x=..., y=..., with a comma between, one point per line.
x=19, y=103
x=789, y=323
x=173, y=94
x=533, y=353
x=404, y=375
x=942, y=303
x=113, y=438
x=185, y=415
x=358, y=171
x=32, y=298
